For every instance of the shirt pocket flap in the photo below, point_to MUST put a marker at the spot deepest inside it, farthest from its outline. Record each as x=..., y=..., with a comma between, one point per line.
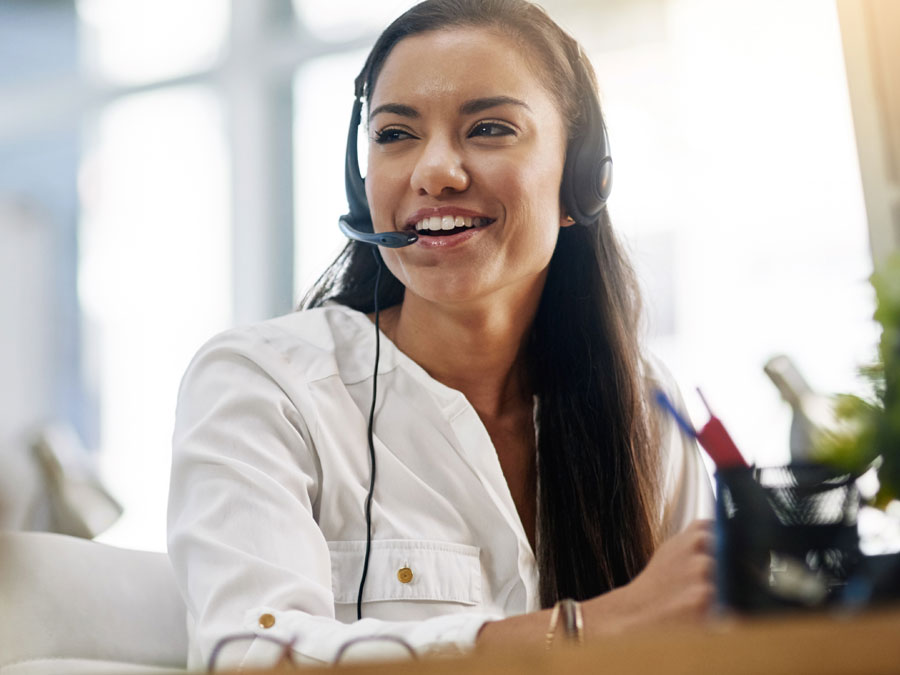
x=401, y=569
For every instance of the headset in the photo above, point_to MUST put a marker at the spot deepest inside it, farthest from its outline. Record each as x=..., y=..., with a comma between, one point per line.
x=357, y=224
x=585, y=189
x=586, y=182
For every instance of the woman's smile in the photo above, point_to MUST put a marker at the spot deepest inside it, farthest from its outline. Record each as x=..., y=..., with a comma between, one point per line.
x=446, y=226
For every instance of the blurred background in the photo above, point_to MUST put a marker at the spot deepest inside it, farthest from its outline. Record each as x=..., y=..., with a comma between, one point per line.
x=169, y=169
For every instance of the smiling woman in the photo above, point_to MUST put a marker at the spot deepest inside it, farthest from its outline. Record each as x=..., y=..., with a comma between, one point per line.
x=521, y=474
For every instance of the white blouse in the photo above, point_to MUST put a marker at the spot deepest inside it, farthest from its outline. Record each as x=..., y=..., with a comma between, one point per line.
x=269, y=478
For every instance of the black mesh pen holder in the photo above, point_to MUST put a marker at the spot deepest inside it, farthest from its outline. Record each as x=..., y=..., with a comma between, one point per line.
x=786, y=537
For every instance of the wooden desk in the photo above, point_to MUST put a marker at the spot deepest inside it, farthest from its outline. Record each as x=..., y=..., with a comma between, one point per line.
x=861, y=645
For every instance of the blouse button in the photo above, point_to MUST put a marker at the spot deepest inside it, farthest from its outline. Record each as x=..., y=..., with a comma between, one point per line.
x=266, y=621
x=404, y=575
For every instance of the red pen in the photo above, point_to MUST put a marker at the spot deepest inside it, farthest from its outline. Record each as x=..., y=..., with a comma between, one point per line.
x=717, y=443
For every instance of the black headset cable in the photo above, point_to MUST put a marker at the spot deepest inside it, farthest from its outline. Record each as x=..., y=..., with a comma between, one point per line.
x=365, y=570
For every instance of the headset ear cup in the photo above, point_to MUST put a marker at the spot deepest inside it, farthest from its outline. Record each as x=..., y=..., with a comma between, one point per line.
x=587, y=182
x=354, y=184
x=587, y=176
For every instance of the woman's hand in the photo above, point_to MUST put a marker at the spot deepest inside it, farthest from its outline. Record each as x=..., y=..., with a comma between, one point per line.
x=677, y=585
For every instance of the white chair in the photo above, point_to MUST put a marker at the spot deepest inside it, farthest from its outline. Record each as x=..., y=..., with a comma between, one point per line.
x=71, y=606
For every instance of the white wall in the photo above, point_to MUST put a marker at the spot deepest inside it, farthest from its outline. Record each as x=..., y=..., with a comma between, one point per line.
x=26, y=396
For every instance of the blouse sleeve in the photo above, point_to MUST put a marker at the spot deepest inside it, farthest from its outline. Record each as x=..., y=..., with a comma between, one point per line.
x=248, y=554
x=687, y=490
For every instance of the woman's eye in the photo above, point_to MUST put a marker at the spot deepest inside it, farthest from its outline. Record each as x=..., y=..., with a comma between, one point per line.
x=391, y=135
x=491, y=129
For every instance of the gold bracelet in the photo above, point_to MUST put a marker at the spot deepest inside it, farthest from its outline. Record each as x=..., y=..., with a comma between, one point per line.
x=554, y=619
x=573, y=621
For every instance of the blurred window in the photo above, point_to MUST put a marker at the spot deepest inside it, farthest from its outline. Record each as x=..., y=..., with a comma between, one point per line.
x=346, y=19
x=154, y=279
x=146, y=40
x=323, y=98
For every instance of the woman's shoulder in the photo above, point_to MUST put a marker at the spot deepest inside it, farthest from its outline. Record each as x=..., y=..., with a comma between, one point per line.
x=311, y=342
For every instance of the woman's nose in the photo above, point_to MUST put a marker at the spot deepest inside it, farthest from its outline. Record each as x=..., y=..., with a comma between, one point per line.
x=439, y=168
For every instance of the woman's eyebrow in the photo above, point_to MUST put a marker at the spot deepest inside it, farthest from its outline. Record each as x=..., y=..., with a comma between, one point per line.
x=472, y=107
x=396, y=108
x=477, y=105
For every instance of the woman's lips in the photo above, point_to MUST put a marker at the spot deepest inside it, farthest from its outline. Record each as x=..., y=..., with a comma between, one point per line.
x=450, y=240
x=446, y=226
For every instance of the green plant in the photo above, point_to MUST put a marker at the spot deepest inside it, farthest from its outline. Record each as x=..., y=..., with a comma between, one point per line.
x=870, y=429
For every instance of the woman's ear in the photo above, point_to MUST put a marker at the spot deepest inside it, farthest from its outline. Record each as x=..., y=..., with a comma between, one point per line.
x=565, y=220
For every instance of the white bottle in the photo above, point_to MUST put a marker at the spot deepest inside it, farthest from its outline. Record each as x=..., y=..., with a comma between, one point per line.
x=813, y=412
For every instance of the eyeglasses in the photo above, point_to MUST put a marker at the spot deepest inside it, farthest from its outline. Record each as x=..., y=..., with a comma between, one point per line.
x=374, y=638
x=287, y=648
x=286, y=657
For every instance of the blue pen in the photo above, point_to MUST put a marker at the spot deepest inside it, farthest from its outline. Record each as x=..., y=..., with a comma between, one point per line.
x=666, y=405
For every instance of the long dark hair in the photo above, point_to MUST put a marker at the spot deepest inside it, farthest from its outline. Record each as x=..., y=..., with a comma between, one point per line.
x=598, y=497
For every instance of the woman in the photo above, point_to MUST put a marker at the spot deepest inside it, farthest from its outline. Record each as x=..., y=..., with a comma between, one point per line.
x=518, y=462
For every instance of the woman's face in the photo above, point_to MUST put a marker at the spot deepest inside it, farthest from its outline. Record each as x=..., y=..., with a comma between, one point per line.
x=464, y=135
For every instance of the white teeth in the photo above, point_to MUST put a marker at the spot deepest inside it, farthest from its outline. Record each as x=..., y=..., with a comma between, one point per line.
x=438, y=223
